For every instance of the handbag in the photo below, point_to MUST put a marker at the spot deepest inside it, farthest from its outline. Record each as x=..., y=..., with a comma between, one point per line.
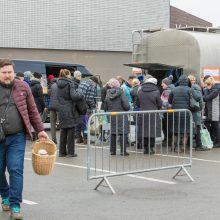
x=81, y=107
x=2, y=134
x=205, y=137
x=194, y=105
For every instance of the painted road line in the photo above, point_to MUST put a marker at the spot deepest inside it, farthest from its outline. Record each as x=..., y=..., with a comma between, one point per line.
x=28, y=202
x=100, y=170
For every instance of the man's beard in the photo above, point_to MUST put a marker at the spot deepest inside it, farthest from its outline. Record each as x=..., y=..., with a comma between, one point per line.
x=7, y=83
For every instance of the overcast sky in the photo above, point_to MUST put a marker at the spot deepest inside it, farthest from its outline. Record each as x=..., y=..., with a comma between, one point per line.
x=208, y=10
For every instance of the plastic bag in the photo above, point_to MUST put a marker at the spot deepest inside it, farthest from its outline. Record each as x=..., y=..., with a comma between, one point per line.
x=205, y=138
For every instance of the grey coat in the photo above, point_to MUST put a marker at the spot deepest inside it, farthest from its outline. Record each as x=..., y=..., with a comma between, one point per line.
x=197, y=94
x=212, y=99
x=116, y=101
x=67, y=98
x=148, y=98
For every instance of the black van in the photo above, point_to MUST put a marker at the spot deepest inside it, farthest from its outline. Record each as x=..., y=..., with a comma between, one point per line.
x=48, y=67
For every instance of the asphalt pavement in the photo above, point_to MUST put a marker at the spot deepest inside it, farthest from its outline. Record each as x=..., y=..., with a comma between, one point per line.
x=66, y=193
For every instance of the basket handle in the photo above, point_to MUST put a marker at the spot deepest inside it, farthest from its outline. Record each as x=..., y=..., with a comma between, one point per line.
x=47, y=141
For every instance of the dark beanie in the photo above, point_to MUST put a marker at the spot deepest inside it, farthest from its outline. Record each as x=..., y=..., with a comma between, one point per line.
x=168, y=80
x=94, y=79
x=37, y=75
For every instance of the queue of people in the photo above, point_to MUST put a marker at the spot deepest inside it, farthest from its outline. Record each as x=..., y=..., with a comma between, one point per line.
x=140, y=96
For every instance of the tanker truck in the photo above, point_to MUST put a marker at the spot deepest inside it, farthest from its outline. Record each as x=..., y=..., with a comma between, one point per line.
x=189, y=50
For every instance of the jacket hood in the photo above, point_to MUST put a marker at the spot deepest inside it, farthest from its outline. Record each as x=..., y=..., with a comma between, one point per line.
x=148, y=87
x=63, y=82
x=114, y=93
x=183, y=80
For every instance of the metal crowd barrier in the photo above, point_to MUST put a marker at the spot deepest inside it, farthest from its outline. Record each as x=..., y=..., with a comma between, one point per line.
x=122, y=143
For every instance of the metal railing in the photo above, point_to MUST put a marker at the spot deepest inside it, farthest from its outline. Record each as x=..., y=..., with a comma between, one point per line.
x=138, y=142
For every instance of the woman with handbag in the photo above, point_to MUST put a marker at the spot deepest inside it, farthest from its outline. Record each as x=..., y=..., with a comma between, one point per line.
x=180, y=99
x=197, y=115
x=212, y=99
x=69, y=117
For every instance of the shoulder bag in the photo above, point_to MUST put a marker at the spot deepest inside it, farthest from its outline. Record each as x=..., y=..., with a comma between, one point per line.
x=2, y=134
x=194, y=105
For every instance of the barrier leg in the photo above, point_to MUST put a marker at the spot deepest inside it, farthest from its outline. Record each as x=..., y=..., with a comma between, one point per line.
x=108, y=184
x=185, y=170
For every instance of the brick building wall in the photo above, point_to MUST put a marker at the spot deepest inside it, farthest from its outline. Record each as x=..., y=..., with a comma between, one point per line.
x=180, y=18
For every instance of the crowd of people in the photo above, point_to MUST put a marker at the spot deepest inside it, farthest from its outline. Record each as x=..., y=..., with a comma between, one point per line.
x=137, y=93
x=148, y=95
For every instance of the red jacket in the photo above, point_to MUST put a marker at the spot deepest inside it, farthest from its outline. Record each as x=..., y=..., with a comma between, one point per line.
x=26, y=106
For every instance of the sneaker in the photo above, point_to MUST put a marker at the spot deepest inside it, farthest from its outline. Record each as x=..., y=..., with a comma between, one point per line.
x=79, y=140
x=16, y=213
x=71, y=155
x=5, y=204
x=216, y=145
x=62, y=155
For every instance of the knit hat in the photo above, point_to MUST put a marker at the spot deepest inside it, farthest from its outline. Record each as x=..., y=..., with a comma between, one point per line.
x=94, y=79
x=50, y=77
x=28, y=74
x=168, y=80
x=114, y=83
x=37, y=75
x=151, y=80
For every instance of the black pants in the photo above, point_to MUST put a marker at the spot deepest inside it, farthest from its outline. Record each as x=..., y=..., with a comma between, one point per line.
x=198, y=137
x=214, y=130
x=122, y=140
x=148, y=142
x=67, y=141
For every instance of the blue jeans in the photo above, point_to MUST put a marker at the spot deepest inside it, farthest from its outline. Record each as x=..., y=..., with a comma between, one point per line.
x=81, y=128
x=12, y=151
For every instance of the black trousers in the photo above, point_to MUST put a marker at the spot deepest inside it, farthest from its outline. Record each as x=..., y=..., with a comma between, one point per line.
x=67, y=141
x=214, y=130
x=198, y=137
x=149, y=142
x=122, y=140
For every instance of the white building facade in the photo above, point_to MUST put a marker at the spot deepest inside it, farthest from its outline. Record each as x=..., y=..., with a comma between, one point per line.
x=96, y=33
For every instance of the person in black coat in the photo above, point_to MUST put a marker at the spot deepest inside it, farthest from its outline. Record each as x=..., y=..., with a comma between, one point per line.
x=82, y=125
x=148, y=98
x=116, y=101
x=53, y=107
x=180, y=99
x=37, y=91
x=68, y=115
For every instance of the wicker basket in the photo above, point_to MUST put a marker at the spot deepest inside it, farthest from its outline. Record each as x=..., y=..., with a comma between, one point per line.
x=43, y=165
